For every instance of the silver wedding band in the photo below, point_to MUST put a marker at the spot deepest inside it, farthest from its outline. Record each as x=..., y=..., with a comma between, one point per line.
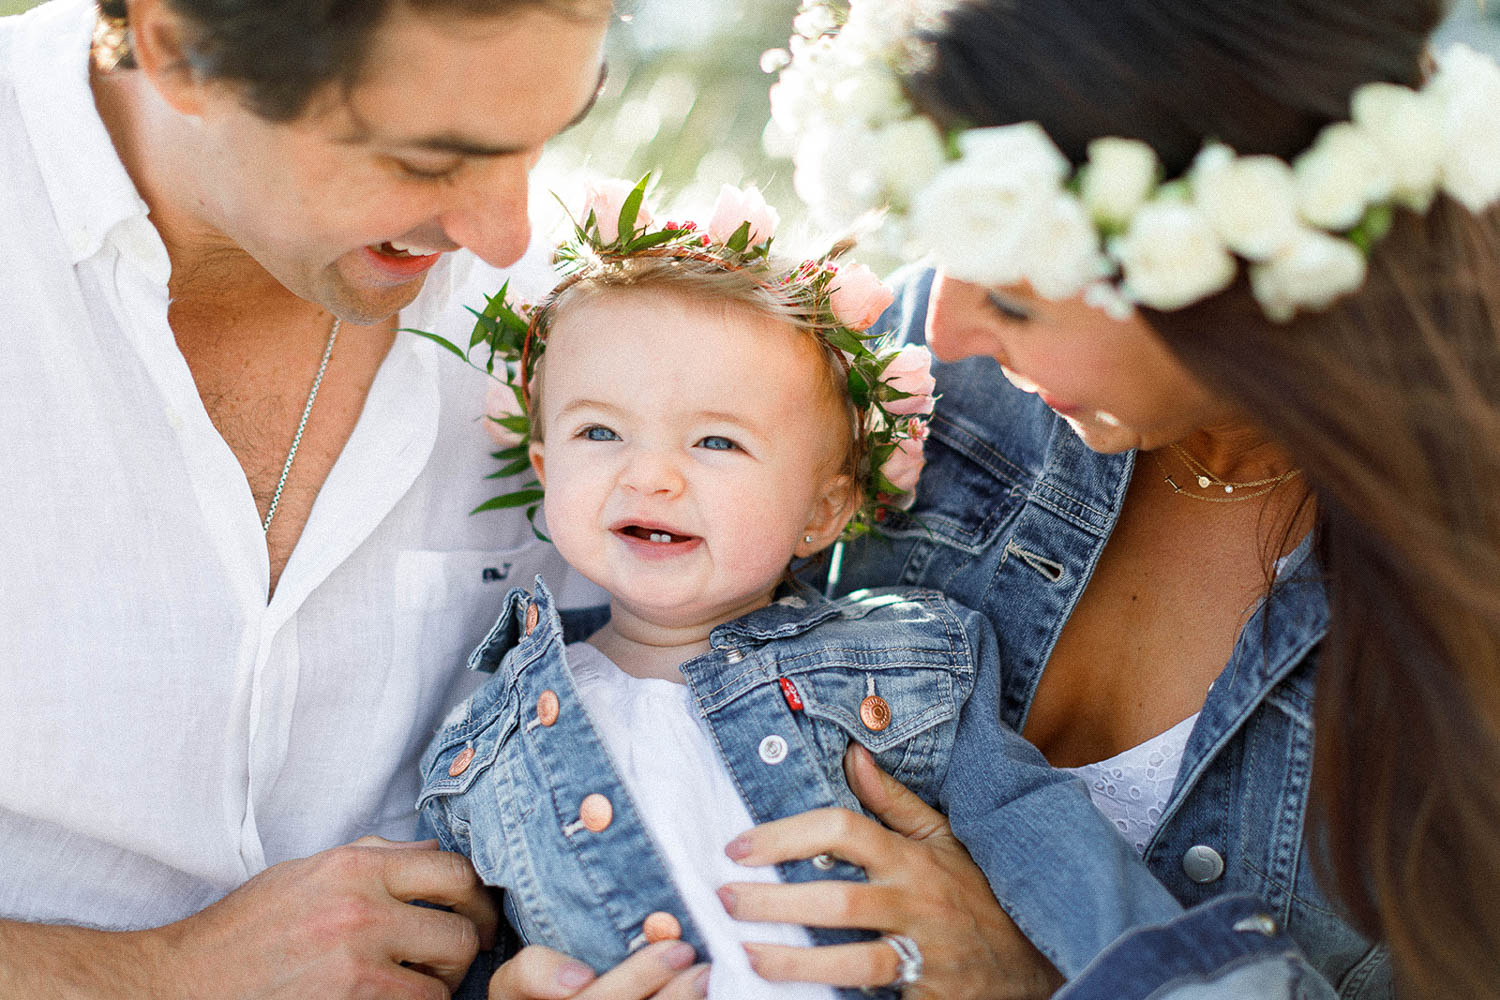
x=909, y=960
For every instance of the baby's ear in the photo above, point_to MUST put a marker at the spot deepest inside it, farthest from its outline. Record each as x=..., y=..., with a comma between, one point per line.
x=832, y=511
x=538, y=462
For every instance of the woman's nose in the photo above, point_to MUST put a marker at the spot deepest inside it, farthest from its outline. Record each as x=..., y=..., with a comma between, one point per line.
x=958, y=322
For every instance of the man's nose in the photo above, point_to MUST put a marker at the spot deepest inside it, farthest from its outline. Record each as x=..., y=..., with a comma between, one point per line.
x=488, y=214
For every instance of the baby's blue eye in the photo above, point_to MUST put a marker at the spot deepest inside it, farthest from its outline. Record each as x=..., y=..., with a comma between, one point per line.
x=716, y=443
x=597, y=433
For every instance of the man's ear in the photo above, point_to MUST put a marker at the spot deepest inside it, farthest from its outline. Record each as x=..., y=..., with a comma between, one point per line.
x=831, y=512
x=538, y=463
x=159, y=40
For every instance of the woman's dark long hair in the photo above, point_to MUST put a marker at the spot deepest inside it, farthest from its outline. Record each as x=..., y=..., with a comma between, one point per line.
x=1389, y=401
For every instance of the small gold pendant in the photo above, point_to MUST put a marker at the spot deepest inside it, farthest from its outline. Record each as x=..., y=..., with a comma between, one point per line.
x=1203, y=482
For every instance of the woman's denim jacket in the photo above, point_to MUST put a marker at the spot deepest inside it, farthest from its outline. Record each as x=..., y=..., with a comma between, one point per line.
x=503, y=786
x=1011, y=516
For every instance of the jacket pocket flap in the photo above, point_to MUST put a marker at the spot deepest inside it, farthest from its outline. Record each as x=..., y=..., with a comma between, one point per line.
x=881, y=708
x=465, y=750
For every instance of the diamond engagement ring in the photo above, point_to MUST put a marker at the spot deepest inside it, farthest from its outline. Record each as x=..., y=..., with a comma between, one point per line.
x=909, y=960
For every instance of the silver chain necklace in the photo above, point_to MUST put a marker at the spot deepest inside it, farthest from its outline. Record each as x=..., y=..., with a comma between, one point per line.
x=301, y=425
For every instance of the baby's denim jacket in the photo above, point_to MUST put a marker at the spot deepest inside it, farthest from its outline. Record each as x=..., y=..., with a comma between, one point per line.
x=782, y=690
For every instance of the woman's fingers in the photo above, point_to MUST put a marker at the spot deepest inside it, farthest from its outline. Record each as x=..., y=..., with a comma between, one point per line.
x=895, y=805
x=852, y=966
x=818, y=904
x=663, y=971
x=847, y=835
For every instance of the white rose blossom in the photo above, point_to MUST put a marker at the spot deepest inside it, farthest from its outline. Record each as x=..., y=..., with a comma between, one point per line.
x=1064, y=253
x=1310, y=274
x=1120, y=176
x=1406, y=127
x=911, y=153
x=976, y=221
x=1339, y=177
x=1251, y=201
x=1469, y=86
x=1171, y=256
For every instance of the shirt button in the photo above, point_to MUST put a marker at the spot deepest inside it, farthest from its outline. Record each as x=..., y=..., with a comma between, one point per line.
x=773, y=749
x=661, y=926
x=461, y=762
x=733, y=656
x=546, y=707
x=596, y=813
x=875, y=713
x=532, y=617
x=1202, y=864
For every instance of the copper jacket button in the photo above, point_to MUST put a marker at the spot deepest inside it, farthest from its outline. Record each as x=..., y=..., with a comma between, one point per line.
x=532, y=617
x=596, y=812
x=875, y=713
x=661, y=926
x=546, y=707
x=461, y=762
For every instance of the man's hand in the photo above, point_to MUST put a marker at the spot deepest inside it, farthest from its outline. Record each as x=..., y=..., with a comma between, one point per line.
x=335, y=925
x=662, y=971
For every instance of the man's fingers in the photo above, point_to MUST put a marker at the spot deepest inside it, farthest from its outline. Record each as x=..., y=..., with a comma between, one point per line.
x=440, y=943
x=897, y=806
x=658, y=970
x=817, y=904
x=852, y=966
x=445, y=879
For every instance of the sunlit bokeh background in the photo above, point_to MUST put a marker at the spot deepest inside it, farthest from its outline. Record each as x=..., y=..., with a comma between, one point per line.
x=686, y=100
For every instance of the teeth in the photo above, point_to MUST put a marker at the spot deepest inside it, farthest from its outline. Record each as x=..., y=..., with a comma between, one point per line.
x=413, y=249
x=657, y=536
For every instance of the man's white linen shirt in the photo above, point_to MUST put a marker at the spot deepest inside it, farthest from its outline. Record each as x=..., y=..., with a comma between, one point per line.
x=165, y=731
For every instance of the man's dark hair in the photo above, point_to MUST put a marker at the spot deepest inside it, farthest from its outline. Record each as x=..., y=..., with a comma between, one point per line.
x=282, y=51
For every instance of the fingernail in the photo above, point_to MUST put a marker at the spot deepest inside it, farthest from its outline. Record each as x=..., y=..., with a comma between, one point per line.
x=679, y=956
x=752, y=954
x=700, y=983
x=574, y=975
x=738, y=849
x=726, y=897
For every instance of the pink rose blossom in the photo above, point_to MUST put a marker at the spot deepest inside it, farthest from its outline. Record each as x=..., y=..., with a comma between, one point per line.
x=859, y=297
x=904, y=466
x=500, y=402
x=735, y=207
x=910, y=371
x=606, y=199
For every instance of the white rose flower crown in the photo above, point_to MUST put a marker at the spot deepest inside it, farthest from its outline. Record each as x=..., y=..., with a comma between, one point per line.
x=995, y=206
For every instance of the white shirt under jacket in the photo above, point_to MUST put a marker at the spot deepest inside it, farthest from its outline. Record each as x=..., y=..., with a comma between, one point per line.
x=165, y=733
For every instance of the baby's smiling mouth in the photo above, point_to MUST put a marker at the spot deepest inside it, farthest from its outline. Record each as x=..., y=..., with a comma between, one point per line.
x=657, y=535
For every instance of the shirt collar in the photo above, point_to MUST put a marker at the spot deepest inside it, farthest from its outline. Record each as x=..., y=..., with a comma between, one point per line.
x=90, y=192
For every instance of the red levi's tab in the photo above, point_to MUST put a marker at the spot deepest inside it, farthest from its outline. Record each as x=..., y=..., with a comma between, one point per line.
x=789, y=691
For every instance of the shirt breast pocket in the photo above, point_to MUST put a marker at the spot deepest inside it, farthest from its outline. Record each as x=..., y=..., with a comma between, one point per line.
x=904, y=714
x=462, y=770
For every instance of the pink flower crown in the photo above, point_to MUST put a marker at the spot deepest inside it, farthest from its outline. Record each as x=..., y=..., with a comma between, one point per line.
x=890, y=387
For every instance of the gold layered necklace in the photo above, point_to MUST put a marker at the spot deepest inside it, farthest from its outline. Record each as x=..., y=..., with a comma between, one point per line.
x=1206, y=480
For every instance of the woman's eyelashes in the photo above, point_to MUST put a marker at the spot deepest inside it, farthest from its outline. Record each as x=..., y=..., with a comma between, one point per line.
x=1007, y=307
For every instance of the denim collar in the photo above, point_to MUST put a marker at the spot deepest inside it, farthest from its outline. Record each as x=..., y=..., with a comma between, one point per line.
x=796, y=609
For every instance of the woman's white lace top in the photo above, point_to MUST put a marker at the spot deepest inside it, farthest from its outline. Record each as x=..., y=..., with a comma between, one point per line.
x=1132, y=788
x=667, y=759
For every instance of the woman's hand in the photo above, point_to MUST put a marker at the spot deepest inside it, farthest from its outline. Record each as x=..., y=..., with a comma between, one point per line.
x=663, y=971
x=922, y=884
